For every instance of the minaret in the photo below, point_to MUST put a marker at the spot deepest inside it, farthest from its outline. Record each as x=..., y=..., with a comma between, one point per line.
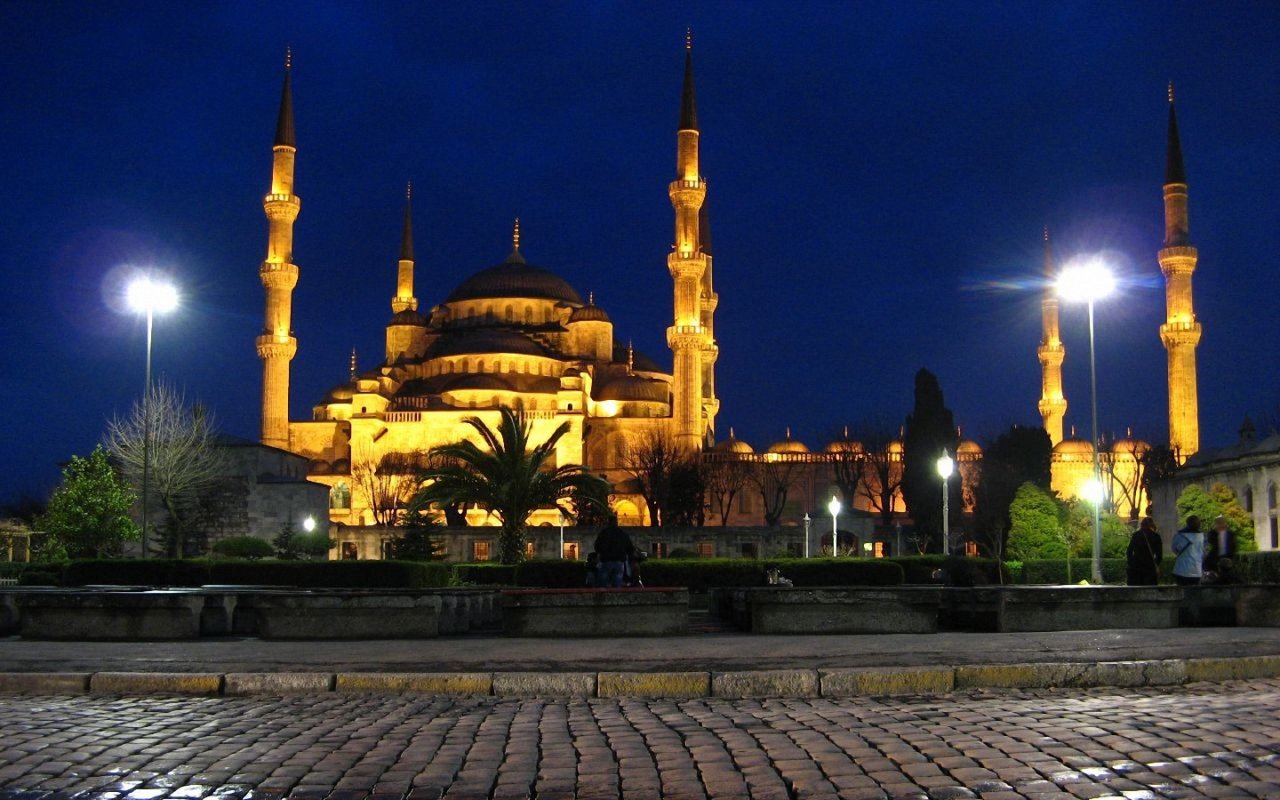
x=710, y=351
x=1053, y=406
x=404, y=299
x=1181, y=331
x=276, y=346
x=688, y=337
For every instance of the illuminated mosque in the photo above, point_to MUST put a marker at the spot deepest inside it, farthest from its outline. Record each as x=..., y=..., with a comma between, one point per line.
x=517, y=335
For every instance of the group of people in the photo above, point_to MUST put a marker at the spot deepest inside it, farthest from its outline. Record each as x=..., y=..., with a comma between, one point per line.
x=1196, y=555
x=615, y=562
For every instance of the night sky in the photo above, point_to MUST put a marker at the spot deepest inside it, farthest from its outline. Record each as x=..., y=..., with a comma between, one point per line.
x=879, y=175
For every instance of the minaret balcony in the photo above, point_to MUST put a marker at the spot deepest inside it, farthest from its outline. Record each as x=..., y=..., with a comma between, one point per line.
x=278, y=275
x=270, y=346
x=1180, y=334
x=686, y=337
x=281, y=207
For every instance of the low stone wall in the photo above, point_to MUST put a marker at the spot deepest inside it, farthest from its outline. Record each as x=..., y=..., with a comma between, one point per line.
x=835, y=610
x=573, y=613
x=107, y=616
x=1082, y=608
x=1257, y=606
x=120, y=613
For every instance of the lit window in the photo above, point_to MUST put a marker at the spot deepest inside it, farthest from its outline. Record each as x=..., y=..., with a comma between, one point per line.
x=479, y=551
x=530, y=549
x=571, y=551
x=350, y=551
x=706, y=549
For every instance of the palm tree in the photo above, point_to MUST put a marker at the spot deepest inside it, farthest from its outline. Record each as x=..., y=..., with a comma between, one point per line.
x=509, y=478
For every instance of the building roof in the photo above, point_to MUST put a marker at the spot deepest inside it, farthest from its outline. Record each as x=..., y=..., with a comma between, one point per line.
x=635, y=388
x=479, y=341
x=1173, y=169
x=284, y=122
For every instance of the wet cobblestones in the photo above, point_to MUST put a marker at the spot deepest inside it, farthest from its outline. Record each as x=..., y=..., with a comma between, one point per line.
x=1212, y=741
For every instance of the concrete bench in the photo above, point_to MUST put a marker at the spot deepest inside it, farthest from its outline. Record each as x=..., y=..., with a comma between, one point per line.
x=574, y=613
x=1257, y=606
x=1083, y=608
x=837, y=610
x=337, y=614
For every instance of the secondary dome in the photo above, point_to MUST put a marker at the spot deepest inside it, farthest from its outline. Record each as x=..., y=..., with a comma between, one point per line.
x=732, y=445
x=515, y=278
x=788, y=445
x=634, y=387
x=1073, y=447
x=969, y=447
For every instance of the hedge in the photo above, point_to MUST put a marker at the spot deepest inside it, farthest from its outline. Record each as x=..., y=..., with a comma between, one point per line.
x=485, y=574
x=968, y=571
x=1054, y=570
x=306, y=574
x=243, y=547
x=551, y=574
x=1259, y=567
x=700, y=574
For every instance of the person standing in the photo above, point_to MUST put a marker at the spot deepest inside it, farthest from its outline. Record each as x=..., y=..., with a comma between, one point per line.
x=1145, y=553
x=613, y=548
x=1219, y=547
x=1188, y=551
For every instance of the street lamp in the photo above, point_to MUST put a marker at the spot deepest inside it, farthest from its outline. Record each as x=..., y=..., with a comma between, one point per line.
x=561, y=520
x=834, y=508
x=149, y=296
x=1089, y=282
x=946, y=465
x=309, y=524
x=806, y=534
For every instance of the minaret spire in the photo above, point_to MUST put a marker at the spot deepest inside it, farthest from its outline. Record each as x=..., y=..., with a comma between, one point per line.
x=277, y=345
x=353, y=364
x=404, y=299
x=690, y=337
x=1053, y=406
x=1181, y=331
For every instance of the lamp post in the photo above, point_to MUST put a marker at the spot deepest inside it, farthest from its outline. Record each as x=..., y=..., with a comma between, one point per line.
x=149, y=296
x=834, y=508
x=806, y=534
x=561, y=520
x=946, y=465
x=1088, y=282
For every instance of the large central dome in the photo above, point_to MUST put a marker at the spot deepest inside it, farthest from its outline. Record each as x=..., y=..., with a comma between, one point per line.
x=515, y=278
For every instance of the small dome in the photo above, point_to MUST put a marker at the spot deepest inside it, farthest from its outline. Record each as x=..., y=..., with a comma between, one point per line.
x=1133, y=448
x=514, y=278
x=788, y=445
x=732, y=445
x=590, y=312
x=969, y=448
x=635, y=388
x=409, y=317
x=342, y=393
x=844, y=446
x=1073, y=447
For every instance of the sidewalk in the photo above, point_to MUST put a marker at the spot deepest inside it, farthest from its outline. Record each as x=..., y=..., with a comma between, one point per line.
x=727, y=664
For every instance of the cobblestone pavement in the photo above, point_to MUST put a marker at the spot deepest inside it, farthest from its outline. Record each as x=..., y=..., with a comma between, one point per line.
x=1219, y=740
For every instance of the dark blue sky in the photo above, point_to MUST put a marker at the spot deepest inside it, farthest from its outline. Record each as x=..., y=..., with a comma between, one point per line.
x=879, y=176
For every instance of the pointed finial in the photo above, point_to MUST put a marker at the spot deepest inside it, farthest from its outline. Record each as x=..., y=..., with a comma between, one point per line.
x=846, y=431
x=591, y=298
x=515, y=236
x=353, y=363
x=731, y=436
x=1128, y=432
x=788, y=433
x=631, y=357
x=1171, y=92
x=1046, y=234
x=688, y=38
x=1073, y=431
x=288, y=57
x=406, y=234
x=408, y=190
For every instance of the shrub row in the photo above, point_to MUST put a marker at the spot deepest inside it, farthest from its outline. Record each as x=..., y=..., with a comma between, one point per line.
x=1259, y=567
x=1054, y=570
x=305, y=574
x=485, y=574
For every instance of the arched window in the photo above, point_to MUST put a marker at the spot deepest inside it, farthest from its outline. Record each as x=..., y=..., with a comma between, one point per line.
x=340, y=495
x=1271, y=497
x=509, y=314
x=1246, y=498
x=528, y=315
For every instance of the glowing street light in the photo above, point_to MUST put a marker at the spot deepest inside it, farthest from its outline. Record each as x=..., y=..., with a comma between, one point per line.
x=834, y=508
x=806, y=534
x=1088, y=282
x=946, y=465
x=309, y=524
x=149, y=296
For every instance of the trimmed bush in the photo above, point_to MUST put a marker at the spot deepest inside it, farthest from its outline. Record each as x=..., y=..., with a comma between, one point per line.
x=552, y=574
x=1258, y=567
x=485, y=574
x=1054, y=570
x=243, y=547
x=38, y=577
x=701, y=574
x=306, y=574
x=839, y=571
x=969, y=571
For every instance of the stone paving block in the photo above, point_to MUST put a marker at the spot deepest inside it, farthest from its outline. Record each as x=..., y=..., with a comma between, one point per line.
x=155, y=683
x=765, y=683
x=654, y=684
x=1233, y=669
x=1017, y=676
x=441, y=683
x=1169, y=672
x=44, y=682
x=538, y=684
x=902, y=680
x=241, y=683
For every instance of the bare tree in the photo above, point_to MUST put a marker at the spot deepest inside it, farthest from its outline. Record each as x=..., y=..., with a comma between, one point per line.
x=882, y=478
x=848, y=465
x=725, y=475
x=773, y=478
x=387, y=484
x=652, y=460
x=186, y=463
x=1126, y=471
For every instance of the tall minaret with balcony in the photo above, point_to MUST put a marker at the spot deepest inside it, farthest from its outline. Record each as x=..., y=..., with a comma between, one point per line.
x=711, y=351
x=1053, y=406
x=689, y=337
x=1180, y=332
x=276, y=346
x=404, y=299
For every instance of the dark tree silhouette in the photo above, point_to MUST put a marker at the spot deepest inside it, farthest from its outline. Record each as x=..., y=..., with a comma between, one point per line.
x=930, y=430
x=1022, y=454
